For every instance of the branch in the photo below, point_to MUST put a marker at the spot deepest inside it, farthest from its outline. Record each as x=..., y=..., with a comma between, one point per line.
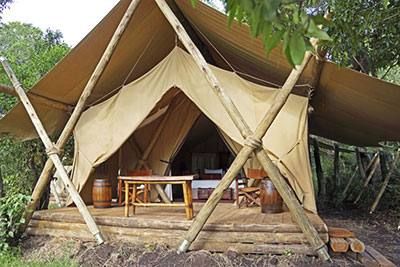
x=387, y=71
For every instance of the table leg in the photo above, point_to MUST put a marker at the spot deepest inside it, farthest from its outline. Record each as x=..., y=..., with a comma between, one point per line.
x=144, y=193
x=126, y=199
x=149, y=195
x=186, y=199
x=133, y=198
x=189, y=183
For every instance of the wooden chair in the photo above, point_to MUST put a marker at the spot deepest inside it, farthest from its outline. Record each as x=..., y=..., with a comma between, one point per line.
x=250, y=194
x=145, y=190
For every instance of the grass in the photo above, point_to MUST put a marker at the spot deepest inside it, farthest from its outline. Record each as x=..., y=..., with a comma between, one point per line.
x=14, y=258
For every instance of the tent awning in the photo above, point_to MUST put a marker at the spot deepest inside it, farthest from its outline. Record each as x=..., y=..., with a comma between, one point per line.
x=349, y=106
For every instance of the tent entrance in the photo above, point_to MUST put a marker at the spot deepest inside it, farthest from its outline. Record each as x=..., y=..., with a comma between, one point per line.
x=205, y=153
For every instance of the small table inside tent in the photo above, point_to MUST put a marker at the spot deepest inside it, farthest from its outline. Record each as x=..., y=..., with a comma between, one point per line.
x=185, y=181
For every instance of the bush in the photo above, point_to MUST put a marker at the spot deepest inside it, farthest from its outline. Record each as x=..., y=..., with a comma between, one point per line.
x=12, y=207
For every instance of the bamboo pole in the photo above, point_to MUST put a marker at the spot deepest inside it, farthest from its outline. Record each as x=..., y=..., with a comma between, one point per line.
x=375, y=166
x=253, y=143
x=349, y=181
x=320, y=173
x=385, y=182
x=52, y=151
x=37, y=98
x=66, y=133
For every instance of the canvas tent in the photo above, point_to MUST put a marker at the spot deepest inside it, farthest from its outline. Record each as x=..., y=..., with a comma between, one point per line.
x=349, y=106
x=123, y=116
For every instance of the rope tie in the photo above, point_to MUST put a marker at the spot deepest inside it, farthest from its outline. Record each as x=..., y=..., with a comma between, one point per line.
x=253, y=142
x=54, y=149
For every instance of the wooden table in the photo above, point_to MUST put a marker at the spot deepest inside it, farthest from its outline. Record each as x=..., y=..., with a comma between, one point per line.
x=185, y=181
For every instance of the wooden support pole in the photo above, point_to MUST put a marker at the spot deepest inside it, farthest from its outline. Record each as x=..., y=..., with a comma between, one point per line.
x=53, y=152
x=336, y=178
x=253, y=143
x=66, y=133
x=37, y=98
x=139, y=152
x=318, y=170
x=349, y=181
x=143, y=160
x=383, y=156
x=385, y=182
x=374, y=167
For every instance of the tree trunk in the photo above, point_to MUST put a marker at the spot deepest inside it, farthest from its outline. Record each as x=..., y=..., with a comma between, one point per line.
x=320, y=173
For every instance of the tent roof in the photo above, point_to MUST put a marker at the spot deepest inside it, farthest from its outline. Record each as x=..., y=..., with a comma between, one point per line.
x=349, y=106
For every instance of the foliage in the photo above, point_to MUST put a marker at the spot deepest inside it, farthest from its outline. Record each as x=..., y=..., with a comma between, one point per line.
x=12, y=207
x=14, y=258
x=365, y=34
x=294, y=22
x=31, y=54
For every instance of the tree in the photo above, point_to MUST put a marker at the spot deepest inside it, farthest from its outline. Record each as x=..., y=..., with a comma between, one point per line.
x=31, y=53
x=363, y=34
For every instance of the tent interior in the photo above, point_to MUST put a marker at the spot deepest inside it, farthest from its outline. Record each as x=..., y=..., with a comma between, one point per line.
x=203, y=151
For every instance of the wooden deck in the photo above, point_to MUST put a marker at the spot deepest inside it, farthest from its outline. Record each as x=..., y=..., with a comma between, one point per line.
x=246, y=229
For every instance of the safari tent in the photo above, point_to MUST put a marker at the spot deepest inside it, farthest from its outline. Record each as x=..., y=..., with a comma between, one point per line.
x=151, y=77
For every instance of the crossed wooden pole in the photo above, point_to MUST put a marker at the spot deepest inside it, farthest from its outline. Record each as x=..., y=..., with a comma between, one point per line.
x=66, y=133
x=252, y=144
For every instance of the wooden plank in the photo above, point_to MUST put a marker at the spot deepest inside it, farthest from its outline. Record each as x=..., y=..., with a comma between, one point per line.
x=340, y=232
x=356, y=245
x=367, y=260
x=378, y=257
x=338, y=244
x=215, y=236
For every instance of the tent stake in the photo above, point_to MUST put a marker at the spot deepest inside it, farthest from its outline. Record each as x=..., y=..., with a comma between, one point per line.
x=253, y=143
x=385, y=183
x=53, y=152
x=66, y=133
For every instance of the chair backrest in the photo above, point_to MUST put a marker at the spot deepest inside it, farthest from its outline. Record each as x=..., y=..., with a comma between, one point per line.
x=139, y=172
x=256, y=173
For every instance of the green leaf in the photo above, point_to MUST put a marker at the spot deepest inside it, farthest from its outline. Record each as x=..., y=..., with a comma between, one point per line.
x=319, y=19
x=232, y=13
x=297, y=48
x=269, y=9
x=310, y=48
x=267, y=29
x=289, y=57
x=193, y=3
x=11, y=234
x=321, y=35
x=247, y=6
x=273, y=41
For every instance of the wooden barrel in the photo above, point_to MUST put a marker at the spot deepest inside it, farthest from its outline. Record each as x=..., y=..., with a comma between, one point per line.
x=102, y=193
x=270, y=200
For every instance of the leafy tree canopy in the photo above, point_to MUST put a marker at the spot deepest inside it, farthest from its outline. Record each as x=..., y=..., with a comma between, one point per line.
x=362, y=34
x=3, y=5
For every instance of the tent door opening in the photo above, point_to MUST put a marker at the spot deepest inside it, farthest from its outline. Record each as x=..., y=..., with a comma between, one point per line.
x=205, y=153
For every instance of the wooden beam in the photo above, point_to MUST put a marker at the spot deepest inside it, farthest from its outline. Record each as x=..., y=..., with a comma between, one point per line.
x=336, y=178
x=385, y=182
x=349, y=181
x=375, y=166
x=52, y=152
x=253, y=143
x=37, y=98
x=69, y=127
x=320, y=173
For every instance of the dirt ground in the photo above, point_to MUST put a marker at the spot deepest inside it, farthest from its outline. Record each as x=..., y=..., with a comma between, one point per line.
x=378, y=231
